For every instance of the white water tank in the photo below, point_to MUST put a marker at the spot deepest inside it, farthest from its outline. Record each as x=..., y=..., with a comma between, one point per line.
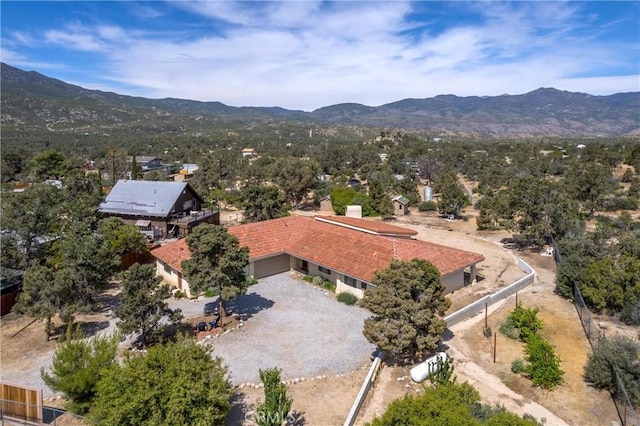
x=421, y=371
x=428, y=193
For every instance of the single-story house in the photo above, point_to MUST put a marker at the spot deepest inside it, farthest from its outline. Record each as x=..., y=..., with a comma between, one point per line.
x=400, y=205
x=158, y=208
x=345, y=251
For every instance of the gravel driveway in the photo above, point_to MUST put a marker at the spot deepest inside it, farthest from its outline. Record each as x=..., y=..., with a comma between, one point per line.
x=295, y=326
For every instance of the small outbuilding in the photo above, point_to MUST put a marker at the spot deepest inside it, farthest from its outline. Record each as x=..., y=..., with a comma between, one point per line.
x=400, y=205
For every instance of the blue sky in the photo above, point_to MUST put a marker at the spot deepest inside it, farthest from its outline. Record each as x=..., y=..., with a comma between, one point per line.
x=309, y=54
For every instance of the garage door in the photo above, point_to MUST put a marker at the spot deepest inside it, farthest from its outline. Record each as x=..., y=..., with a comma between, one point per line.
x=271, y=266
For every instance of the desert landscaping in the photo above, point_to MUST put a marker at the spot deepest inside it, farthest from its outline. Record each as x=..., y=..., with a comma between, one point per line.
x=325, y=395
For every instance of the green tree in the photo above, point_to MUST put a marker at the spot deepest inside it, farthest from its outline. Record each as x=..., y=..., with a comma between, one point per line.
x=277, y=403
x=49, y=164
x=589, y=183
x=296, y=177
x=263, y=203
x=408, y=186
x=217, y=262
x=619, y=353
x=342, y=197
x=447, y=404
x=178, y=383
x=543, y=366
x=78, y=365
x=143, y=303
x=453, y=198
x=135, y=168
x=380, y=198
x=30, y=221
x=407, y=306
x=120, y=237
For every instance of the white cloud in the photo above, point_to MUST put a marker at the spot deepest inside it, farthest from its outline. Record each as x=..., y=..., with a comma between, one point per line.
x=74, y=40
x=312, y=54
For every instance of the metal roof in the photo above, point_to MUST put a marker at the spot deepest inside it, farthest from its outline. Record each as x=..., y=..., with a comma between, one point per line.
x=142, y=198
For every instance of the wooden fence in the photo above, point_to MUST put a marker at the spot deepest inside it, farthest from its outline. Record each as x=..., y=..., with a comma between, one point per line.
x=21, y=402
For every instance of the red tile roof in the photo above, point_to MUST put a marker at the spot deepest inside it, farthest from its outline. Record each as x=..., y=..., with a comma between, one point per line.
x=348, y=251
x=374, y=226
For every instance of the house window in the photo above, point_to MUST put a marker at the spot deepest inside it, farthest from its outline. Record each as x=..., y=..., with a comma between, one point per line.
x=167, y=268
x=324, y=270
x=350, y=281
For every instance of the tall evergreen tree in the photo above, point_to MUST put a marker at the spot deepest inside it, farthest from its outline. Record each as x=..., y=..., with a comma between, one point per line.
x=217, y=263
x=407, y=306
x=143, y=304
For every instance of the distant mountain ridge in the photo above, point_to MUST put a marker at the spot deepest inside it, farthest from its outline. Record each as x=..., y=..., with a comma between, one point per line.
x=32, y=99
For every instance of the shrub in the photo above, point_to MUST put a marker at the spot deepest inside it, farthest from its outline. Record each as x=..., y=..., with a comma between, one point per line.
x=543, y=366
x=178, y=294
x=487, y=332
x=347, y=298
x=427, y=206
x=328, y=285
x=508, y=329
x=78, y=365
x=251, y=280
x=308, y=278
x=277, y=403
x=621, y=352
x=317, y=280
x=210, y=293
x=525, y=320
x=517, y=366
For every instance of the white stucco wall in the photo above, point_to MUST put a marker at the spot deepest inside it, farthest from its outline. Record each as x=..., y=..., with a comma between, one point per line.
x=172, y=277
x=453, y=281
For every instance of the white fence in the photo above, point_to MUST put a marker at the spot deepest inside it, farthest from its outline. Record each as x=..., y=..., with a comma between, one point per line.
x=454, y=318
x=477, y=306
x=368, y=382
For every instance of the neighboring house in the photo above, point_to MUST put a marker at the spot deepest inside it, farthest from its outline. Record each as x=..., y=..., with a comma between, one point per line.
x=159, y=209
x=345, y=251
x=10, y=286
x=148, y=164
x=249, y=152
x=400, y=205
x=185, y=173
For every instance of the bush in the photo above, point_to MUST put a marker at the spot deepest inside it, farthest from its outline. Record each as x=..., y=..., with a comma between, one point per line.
x=517, y=366
x=621, y=352
x=277, y=403
x=543, y=366
x=525, y=320
x=328, y=285
x=508, y=329
x=178, y=294
x=487, y=332
x=251, y=280
x=317, y=280
x=427, y=206
x=308, y=278
x=210, y=293
x=78, y=365
x=347, y=298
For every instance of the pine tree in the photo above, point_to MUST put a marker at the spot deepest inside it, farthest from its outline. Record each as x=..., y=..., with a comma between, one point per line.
x=407, y=306
x=143, y=303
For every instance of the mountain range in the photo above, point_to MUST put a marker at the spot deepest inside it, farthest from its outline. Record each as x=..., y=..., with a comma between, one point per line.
x=30, y=100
